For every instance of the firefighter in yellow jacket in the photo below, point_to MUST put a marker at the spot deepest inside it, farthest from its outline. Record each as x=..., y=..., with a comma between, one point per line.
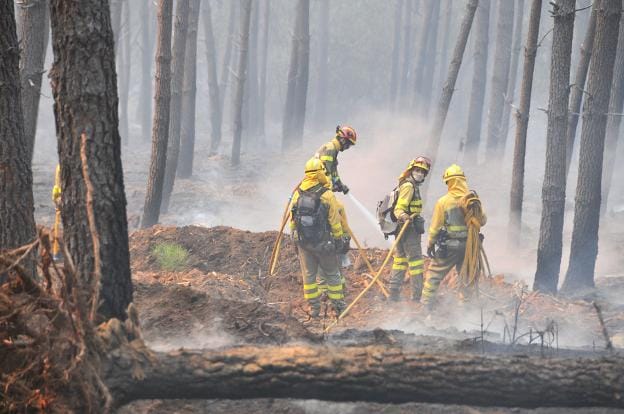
x=56, y=198
x=408, y=254
x=317, y=230
x=345, y=138
x=447, y=233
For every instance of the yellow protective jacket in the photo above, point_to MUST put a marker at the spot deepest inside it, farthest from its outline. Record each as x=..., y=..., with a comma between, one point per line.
x=449, y=214
x=328, y=154
x=328, y=199
x=56, y=190
x=409, y=201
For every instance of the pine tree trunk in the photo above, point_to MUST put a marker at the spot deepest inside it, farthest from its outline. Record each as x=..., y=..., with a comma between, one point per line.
x=426, y=76
x=407, y=53
x=446, y=37
x=576, y=93
x=522, y=122
x=291, y=91
x=320, y=108
x=263, y=70
x=187, y=132
x=477, y=92
x=33, y=25
x=301, y=91
x=251, y=88
x=16, y=181
x=162, y=100
x=500, y=79
x=237, y=105
x=616, y=106
x=513, y=73
x=94, y=202
x=553, y=187
x=216, y=114
x=180, y=31
x=422, y=60
x=145, y=97
x=124, y=78
x=584, y=248
x=227, y=55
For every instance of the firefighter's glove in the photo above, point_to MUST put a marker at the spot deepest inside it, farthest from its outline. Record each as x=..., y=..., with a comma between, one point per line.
x=344, y=189
x=481, y=237
x=403, y=217
x=345, y=241
x=431, y=251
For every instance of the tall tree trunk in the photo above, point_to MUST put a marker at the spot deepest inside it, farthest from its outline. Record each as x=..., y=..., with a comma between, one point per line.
x=320, y=109
x=237, y=105
x=162, y=100
x=587, y=203
x=145, y=97
x=522, y=122
x=116, y=8
x=227, y=55
x=444, y=48
x=251, y=90
x=616, y=106
x=16, y=182
x=301, y=91
x=429, y=65
x=553, y=187
x=407, y=52
x=216, y=113
x=187, y=133
x=84, y=86
x=180, y=31
x=124, y=81
x=451, y=79
x=576, y=96
x=263, y=70
x=513, y=73
x=500, y=78
x=291, y=90
x=479, y=75
x=33, y=25
x=422, y=60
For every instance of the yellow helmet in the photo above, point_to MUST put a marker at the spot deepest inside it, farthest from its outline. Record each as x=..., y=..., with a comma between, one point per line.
x=452, y=172
x=315, y=169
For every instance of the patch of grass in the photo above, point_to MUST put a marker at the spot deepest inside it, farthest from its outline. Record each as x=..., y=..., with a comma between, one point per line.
x=170, y=257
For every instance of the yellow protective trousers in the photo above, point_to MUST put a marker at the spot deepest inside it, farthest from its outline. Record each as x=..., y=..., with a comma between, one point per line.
x=408, y=259
x=324, y=265
x=439, y=268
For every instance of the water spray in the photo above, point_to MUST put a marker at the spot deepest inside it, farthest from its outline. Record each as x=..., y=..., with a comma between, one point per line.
x=370, y=218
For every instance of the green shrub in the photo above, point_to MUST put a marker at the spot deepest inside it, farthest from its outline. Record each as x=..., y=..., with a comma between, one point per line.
x=171, y=257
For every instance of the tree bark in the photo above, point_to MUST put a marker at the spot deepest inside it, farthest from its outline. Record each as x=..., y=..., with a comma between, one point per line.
x=513, y=73
x=477, y=92
x=449, y=85
x=237, y=104
x=320, y=109
x=522, y=122
x=178, y=53
x=425, y=89
x=84, y=86
x=500, y=78
x=162, y=101
x=375, y=374
x=301, y=90
x=16, y=200
x=125, y=65
x=616, y=106
x=263, y=70
x=187, y=133
x=145, y=97
x=423, y=62
x=250, y=100
x=584, y=248
x=33, y=25
x=407, y=51
x=553, y=187
x=227, y=55
x=291, y=91
x=444, y=52
x=576, y=94
x=216, y=114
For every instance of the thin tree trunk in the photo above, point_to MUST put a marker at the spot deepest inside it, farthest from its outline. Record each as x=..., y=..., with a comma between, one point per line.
x=576, y=94
x=124, y=78
x=451, y=79
x=94, y=201
x=251, y=90
x=263, y=70
x=33, y=25
x=425, y=80
x=522, y=122
x=444, y=52
x=320, y=109
x=584, y=248
x=616, y=106
x=301, y=91
x=479, y=76
x=227, y=55
x=291, y=91
x=500, y=78
x=407, y=51
x=145, y=97
x=180, y=31
x=216, y=114
x=187, y=133
x=162, y=100
x=422, y=58
x=16, y=182
x=513, y=73
x=237, y=105
x=553, y=187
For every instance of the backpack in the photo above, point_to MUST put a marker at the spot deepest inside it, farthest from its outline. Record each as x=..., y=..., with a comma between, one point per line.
x=385, y=213
x=310, y=217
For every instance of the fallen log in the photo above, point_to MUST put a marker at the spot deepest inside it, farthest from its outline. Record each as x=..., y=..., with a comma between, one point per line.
x=373, y=374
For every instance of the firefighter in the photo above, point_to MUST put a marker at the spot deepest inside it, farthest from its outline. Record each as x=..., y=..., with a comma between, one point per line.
x=56, y=198
x=345, y=138
x=408, y=254
x=319, y=236
x=447, y=233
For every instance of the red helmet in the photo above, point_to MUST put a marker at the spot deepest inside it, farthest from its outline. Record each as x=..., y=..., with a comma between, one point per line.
x=347, y=133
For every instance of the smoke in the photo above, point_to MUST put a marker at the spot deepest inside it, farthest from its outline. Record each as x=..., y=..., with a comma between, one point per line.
x=210, y=336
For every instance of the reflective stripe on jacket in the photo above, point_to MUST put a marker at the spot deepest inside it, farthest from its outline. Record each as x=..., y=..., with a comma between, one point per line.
x=328, y=153
x=409, y=200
